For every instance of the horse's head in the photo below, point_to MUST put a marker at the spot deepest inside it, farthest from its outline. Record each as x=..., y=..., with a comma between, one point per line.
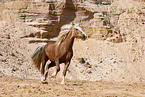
x=78, y=32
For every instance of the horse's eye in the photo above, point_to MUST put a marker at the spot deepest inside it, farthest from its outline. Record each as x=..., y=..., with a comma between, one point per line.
x=76, y=29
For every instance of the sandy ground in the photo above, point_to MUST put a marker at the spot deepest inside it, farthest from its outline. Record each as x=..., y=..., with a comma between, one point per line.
x=15, y=87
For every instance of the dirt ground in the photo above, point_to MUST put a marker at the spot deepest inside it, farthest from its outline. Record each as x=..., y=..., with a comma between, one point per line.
x=15, y=87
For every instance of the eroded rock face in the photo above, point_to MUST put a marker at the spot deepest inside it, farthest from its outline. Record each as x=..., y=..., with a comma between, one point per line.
x=46, y=18
x=57, y=14
x=49, y=17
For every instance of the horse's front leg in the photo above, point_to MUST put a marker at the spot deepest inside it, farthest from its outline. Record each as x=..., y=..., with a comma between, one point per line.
x=57, y=67
x=64, y=72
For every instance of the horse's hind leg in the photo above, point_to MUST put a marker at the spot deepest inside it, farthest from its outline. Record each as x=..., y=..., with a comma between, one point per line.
x=43, y=72
x=46, y=68
x=43, y=66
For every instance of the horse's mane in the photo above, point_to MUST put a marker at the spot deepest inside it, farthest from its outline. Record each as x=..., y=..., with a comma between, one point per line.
x=63, y=34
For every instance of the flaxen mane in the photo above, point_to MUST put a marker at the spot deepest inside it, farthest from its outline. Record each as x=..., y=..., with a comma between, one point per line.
x=63, y=34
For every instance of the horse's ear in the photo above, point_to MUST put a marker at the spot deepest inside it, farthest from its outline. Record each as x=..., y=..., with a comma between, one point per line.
x=73, y=23
x=78, y=24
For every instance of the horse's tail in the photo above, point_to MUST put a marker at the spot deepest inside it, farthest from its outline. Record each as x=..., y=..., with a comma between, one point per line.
x=37, y=56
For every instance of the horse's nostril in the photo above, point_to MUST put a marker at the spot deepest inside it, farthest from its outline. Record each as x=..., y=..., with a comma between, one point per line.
x=84, y=36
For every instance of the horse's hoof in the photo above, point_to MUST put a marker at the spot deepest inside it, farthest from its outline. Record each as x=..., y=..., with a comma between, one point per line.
x=63, y=83
x=44, y=82
x=43, y=79
x=53, y=76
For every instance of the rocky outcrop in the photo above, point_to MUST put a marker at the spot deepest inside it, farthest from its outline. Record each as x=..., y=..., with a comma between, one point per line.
x=50, y=22
x=52, y=15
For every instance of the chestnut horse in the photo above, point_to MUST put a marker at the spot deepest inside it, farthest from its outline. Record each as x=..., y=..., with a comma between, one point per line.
x=57, y=52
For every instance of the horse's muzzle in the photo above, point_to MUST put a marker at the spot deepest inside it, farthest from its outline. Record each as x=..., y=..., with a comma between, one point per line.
x=83, y=37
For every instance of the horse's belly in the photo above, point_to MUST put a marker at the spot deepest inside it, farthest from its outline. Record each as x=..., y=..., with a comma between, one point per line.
x=62, y=60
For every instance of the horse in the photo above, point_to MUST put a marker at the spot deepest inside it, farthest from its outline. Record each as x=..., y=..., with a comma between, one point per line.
x=57, y=52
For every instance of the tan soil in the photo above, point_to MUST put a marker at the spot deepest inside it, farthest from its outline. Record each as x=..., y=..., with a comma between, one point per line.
x=15, y=87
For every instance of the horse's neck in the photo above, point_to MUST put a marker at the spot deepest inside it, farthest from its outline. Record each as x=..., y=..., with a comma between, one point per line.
x=69, y=40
